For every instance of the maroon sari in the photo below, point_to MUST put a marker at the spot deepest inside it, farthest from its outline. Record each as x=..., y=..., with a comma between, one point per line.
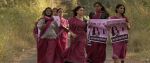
x=76, y=52
x=96, y=53
x=48, y=50
x=119, y=48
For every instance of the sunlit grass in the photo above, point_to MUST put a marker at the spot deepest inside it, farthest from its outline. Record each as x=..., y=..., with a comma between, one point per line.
x=16, y=26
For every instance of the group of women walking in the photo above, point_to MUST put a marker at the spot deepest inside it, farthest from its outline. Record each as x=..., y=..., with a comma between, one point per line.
x=51, y=33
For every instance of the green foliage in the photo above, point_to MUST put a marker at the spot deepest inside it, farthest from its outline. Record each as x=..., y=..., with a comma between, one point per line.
x=17, y=22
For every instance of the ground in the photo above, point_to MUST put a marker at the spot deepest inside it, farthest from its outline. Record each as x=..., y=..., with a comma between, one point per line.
x=29, y=56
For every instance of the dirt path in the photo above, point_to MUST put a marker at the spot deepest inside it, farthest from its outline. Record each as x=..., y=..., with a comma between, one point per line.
x=29, y=56
x=109, y=57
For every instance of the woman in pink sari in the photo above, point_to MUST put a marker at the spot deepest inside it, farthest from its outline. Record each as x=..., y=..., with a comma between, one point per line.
x=119, y=48
x=63, y=30
x=76, y=52
x=48, y=49
x=96, y=51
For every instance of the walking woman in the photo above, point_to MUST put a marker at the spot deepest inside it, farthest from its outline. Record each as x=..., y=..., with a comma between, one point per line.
x=63, y=30
x=96, y=52
x=56, y=16
x=119, y=48
x=76, y=51
x=48, y=49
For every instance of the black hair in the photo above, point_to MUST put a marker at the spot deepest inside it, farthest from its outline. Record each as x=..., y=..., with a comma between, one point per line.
x=59, y=9
x=44, y=12
x=118, y=6
x=102, y=9
x=76, y=9
x=54, y=8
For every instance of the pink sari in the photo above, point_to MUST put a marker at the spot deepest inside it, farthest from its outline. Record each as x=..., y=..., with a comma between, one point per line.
x=63, y=37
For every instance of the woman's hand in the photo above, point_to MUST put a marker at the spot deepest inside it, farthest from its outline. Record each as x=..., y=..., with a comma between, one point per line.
x=73, y=35
x=43, y=26
x=66, y=29
x=128, y=25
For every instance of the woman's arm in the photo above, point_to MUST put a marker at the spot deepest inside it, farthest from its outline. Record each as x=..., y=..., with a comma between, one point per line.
x=41, y=24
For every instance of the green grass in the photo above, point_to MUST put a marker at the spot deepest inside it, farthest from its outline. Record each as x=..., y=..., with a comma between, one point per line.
x=16, y=26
